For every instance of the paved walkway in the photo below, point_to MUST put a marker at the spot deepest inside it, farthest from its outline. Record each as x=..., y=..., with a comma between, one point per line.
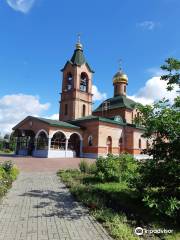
x=32, y=164
x=39, y=207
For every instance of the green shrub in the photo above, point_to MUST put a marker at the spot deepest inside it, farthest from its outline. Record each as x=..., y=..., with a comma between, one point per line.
x=161, y=204
x=84, y=166
x=116, y=168
x=6, y=150
x=158, y=186
x=8, y=173
x=7, y=166
x=1, y=144
x=92, y=168
x=13, y=173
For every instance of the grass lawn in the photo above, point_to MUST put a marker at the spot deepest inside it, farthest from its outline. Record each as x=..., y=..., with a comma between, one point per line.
x=117, y=207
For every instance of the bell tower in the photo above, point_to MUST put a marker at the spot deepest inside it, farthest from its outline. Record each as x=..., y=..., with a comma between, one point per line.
x=76, y=95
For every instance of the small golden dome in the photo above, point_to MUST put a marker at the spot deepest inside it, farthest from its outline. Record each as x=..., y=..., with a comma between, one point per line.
x=79, y=46
x=120, y=77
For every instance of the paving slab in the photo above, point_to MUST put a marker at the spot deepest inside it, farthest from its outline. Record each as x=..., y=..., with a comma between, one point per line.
x=40, y=207
x=33, y=164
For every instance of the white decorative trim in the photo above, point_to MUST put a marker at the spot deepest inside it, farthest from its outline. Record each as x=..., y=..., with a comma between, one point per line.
x=54, y=132
x=42, y=130
x=77, y=134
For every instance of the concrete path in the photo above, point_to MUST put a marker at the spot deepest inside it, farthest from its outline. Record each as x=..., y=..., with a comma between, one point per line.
x=39, y=207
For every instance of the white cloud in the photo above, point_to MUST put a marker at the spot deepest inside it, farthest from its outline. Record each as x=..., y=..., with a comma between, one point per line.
x=14, y=108
x=21, y=5
x=155, y=71
x=147, y=25
x=154, y=89
x=54, y=116
x=97, y=95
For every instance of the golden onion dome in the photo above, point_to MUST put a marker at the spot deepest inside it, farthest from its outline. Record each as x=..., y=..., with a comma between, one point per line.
x=120, y=77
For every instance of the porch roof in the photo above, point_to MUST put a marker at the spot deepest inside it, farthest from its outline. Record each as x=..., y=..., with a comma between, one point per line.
x=57, y=123
x=51, y=122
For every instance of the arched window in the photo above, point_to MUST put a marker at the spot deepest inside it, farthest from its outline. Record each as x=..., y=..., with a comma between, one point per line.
x=69, y=81
x=125, y=88
x=132, y=117
x=66, y=109
x=140, y=143
x=58, y=141
x=90, y=140
x=84, y=110
x=42, y=141
x=147, y=144
x=120, y=140
x=84, y=82
x=109, y=144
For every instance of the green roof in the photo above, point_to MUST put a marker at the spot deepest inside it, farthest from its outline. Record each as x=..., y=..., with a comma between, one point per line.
x=78, y=59
x=117, y=102
x=56, y=123
x=96, y=118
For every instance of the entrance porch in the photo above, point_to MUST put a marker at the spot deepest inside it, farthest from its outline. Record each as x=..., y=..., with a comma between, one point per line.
x=58, y=144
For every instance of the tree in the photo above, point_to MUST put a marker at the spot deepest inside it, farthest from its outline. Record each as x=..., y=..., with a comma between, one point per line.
x=172, y=66
x=159, y=177
x=7, y=137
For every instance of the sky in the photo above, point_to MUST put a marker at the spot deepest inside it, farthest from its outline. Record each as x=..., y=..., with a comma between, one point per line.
x=37, y=37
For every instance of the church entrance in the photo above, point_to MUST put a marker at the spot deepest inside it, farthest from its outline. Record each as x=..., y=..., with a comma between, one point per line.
x=109, y=145
x=74, y=144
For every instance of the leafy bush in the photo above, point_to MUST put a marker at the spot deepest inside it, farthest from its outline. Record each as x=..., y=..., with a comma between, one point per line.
x=7, y=166
x=1, y=144
x=116, y=168
x=8, y=173
x=84, y=166
x=159, y=186
x=92, y=168
x=162, y=204
x=6, y=150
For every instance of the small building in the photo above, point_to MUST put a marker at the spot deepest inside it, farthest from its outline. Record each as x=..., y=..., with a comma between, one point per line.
x=81, y=131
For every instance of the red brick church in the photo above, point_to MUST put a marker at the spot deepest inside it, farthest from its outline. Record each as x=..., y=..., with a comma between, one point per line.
x=81, y=131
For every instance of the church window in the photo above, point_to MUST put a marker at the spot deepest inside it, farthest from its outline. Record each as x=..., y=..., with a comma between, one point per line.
x=120, y=140
x=132, y=117
x=90, y=140
x=84, y=82
x=84, y=110
x=124, y=88
x=139, y=143
x=69, y=81
x=147, y=144
x=58, y=141
x=66, y=109
x=109, y=144
x=42, y=142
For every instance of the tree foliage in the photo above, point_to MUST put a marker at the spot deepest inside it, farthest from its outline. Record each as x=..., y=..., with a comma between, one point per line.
x=172, y=66
x=159, y=178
